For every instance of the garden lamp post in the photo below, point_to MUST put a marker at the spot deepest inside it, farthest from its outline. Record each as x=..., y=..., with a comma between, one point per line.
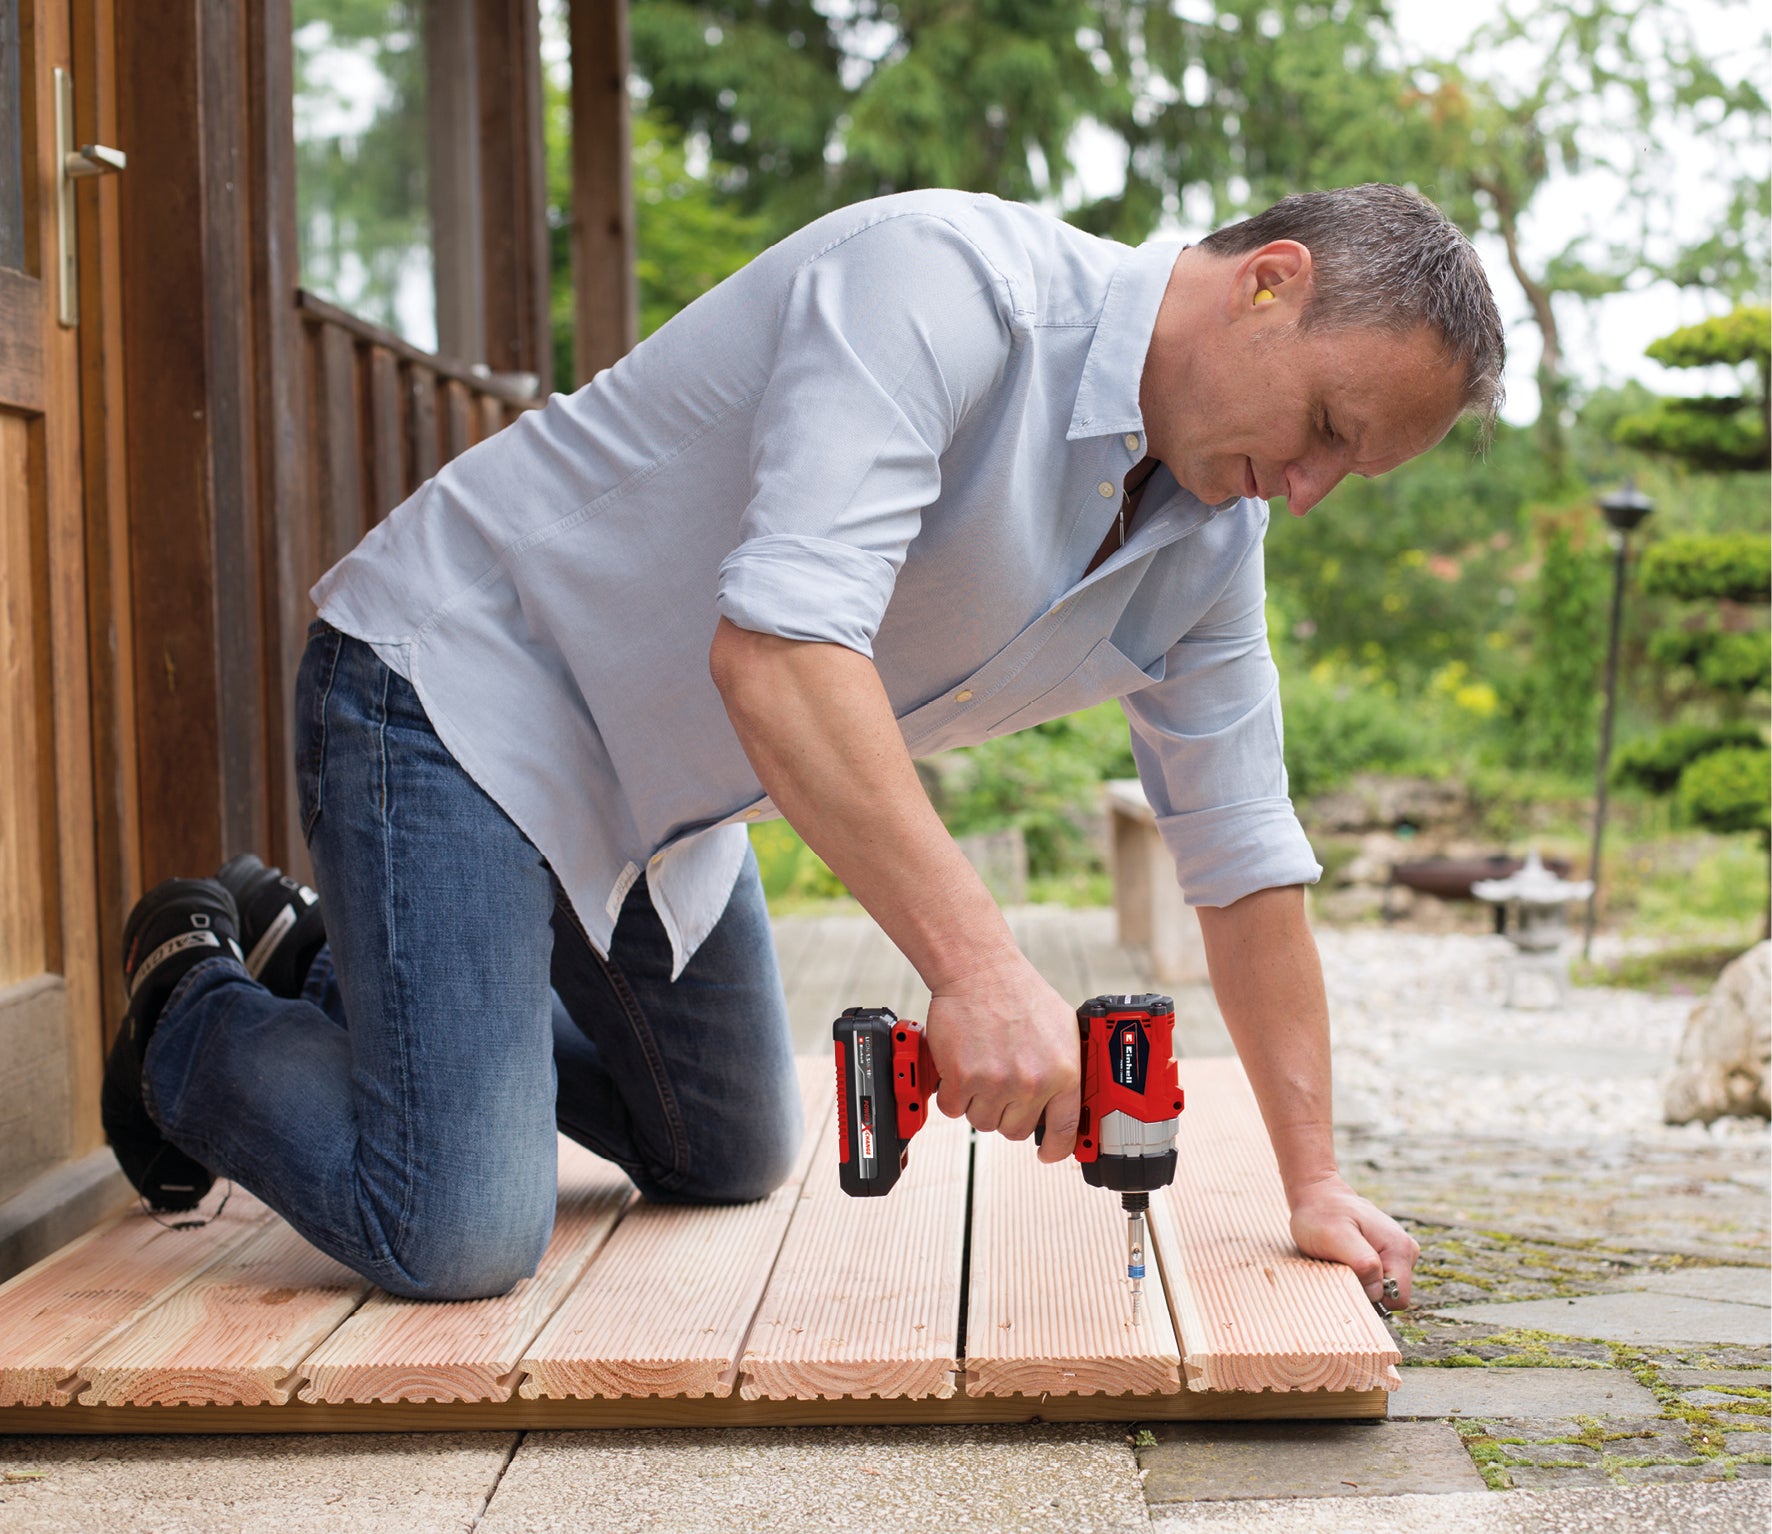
x=1624, y=508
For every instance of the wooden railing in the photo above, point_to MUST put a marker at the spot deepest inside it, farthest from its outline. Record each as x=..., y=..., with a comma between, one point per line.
x=383, y=417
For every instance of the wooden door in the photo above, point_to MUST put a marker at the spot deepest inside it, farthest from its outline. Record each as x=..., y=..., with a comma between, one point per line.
x=51, y=1032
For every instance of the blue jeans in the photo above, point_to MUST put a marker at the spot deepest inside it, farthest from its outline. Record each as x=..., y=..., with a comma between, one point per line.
x=402, y=1113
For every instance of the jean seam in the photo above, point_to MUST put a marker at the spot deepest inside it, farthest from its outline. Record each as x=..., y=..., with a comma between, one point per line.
x=323, y=696
x=391, y=988
x=630, y=1006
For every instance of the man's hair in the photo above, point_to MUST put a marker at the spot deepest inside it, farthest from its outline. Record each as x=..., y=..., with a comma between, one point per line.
x=1386, y=258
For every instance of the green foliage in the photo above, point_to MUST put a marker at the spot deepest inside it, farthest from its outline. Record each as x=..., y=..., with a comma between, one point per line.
x=1741, y=336
x=1726, y=661
x=1657, y=762
x=1046, y=781
x=363, y=218
x=1728, y=790
x=792, y=873
x=1554, y=705
x=1337, y=726
x=1716, y=433
x=1736, y=567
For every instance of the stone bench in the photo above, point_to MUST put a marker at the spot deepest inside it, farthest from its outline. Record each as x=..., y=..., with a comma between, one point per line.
x=1147, y=899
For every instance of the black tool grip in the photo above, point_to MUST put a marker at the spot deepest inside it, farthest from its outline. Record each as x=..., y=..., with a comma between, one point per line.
x=870, y=1153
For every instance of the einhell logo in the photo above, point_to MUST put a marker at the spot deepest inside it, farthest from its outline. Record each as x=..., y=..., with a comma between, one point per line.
x=1132, y=1056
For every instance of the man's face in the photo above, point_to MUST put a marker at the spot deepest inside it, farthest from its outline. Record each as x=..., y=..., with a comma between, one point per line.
x=1272, y=411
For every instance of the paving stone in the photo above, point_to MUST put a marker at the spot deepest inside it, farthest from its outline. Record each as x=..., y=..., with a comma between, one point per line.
x=1751, y=1379
x=1713, y=1508
x=410, y=1483
x=1748, y=1443
x=1519, y=1393
x=1633, y=1316
x=1717, y=1398
x=1742, y=1286
x=1640, y=1475
x=1551, y=1455
x=1209, y=1462
x=1541, y=1478
x=971, y=1480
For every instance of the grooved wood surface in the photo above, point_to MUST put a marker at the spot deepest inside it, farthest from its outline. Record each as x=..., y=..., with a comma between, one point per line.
x=235, y=1334
x=55, y=1315
x=665, y=1308
x=866, y=1295
x=1049, y=1309
x=1260, y=1316
x=413, y=1350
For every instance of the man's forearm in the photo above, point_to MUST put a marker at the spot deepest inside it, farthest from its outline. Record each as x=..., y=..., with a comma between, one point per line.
x=818, y=728
x=1269, y=985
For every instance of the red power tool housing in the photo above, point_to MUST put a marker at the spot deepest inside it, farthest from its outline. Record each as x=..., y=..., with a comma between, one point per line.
x=1131, y=1094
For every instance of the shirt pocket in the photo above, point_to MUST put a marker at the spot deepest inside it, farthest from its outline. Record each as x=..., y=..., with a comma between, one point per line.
x=1105, y=672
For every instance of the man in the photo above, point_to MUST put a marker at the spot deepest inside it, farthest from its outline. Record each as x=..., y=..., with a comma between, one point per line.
x=933, y=469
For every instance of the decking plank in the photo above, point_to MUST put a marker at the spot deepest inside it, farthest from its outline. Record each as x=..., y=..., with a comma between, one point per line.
x=394, y=1349
x=234, y=1335
x=1263, y=1316
x=54, y=1315
x=1049, y=1310
x=666, y=1307
x=865, y=1300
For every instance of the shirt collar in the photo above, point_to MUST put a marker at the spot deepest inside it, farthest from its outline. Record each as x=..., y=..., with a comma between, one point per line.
x=1107, y=398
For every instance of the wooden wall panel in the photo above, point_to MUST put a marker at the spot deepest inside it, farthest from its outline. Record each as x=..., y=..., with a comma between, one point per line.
x=385, y=449
x=605, y=301
x=338, y=449
x=26, y=771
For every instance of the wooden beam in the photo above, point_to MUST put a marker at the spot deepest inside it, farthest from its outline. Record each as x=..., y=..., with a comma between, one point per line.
x=452, y=113
x=665, y=1308
x=56, y=1314
x=234, y=1335
x=21, y=321
x=513, y=189
x=1262, y=1316
x=411, y=1350
x=189, y=386
x=520, y=1414
x=605, y=305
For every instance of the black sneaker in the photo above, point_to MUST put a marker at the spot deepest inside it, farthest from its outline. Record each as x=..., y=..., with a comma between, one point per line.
x=174, y=927
x=281, y=928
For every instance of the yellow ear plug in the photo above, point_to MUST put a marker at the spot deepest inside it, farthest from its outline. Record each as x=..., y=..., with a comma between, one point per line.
x=1265, y=296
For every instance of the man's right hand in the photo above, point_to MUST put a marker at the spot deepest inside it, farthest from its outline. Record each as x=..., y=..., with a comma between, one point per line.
x=1006, y=1045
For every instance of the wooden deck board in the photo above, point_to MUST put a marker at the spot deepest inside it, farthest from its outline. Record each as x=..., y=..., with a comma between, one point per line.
x=54, y=1315
x=865, y=1300
x=395, y=1349
x=1263, y=1316
x=667, y=1305
x=1049, y=1308
x=235, y=1334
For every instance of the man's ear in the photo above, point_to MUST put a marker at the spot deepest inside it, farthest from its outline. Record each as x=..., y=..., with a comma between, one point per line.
x=1275, y=279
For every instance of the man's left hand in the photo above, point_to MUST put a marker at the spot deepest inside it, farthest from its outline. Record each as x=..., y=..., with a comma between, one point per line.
x=1330, y=1220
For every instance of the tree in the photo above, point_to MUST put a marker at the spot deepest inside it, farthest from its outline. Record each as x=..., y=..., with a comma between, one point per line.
x=1562, y=87
x=1718, y=777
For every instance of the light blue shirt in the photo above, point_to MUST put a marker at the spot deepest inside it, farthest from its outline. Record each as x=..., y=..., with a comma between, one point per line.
x=903, y=430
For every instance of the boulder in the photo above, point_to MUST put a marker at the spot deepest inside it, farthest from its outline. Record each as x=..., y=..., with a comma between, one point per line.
x=1722, y=1065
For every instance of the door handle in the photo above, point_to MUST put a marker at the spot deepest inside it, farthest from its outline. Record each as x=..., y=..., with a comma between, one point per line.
x=74, y=164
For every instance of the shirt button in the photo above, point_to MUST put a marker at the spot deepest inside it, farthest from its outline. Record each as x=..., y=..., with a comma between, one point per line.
x=964, y=695
x=1058, y=607
x=752, y=814
x=657, y=858
x=1106, y=488
x=1132, y=443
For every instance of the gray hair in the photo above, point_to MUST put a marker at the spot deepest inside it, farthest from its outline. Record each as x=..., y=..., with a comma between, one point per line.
x=1386, y=258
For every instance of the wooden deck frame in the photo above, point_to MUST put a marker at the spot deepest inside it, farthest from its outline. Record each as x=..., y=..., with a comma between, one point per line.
x=862, y=1320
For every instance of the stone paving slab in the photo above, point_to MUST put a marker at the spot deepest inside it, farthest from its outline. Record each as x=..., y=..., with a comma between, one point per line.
x=1634, y=1315
x=407, y=1483
x=682, y=1481
x=1519, y=1393
x=1715, y=1508
x=1719, y=1379
x=1194, y=1462
x=1738, y=1286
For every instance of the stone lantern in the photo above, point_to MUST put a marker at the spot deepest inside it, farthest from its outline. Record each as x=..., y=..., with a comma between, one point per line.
x=1539, y=901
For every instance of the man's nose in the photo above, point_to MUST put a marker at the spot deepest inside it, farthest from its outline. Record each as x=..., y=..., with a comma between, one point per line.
x=1308, y=483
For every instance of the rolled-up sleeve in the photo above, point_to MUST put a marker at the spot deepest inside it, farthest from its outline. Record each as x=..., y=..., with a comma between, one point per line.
x=887, y=339
x=1208, y=743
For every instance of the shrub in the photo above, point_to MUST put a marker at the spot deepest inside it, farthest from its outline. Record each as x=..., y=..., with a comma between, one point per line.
x=1728, y=790
x=1735, y=566
x=1656, y=763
